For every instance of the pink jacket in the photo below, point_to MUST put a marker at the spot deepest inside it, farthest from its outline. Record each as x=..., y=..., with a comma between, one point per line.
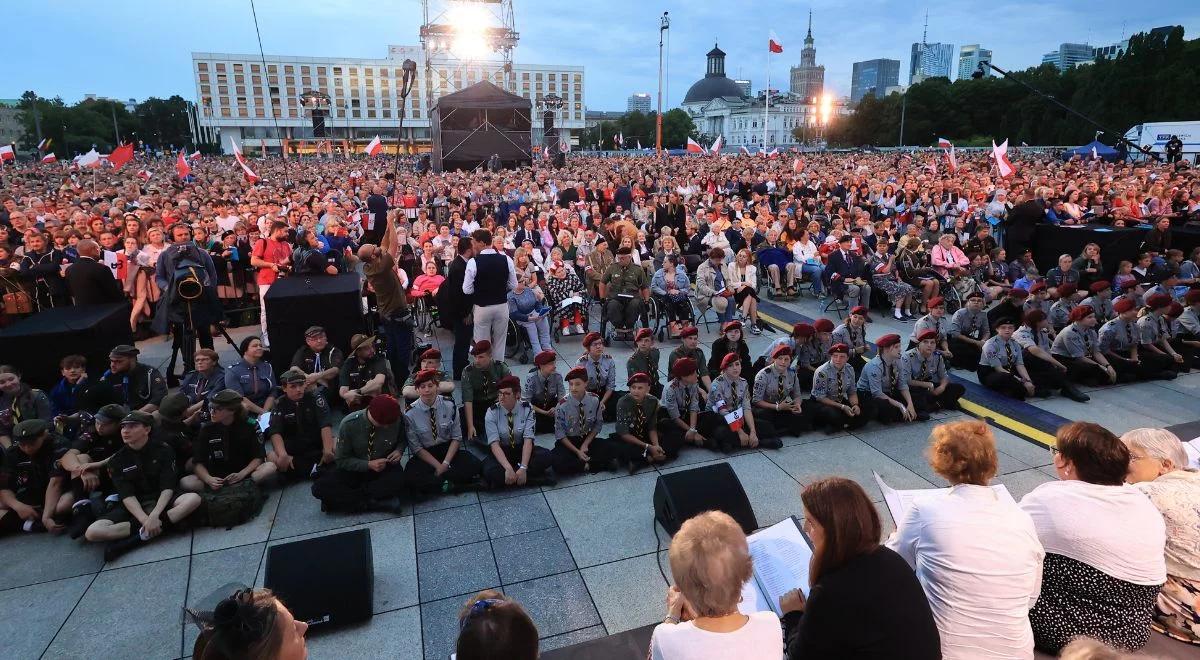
x=943, y=260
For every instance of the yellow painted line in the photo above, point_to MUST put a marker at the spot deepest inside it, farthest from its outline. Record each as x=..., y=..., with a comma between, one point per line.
x=1004, y=421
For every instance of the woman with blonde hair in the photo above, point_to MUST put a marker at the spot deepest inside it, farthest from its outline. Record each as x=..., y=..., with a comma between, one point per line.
x=1158, y=466
x=741, y=277
x=974, y=551
x=710, y=562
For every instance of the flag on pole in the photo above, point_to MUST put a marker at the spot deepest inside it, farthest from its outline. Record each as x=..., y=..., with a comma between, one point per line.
x=744, y=150
x=944, y=143
x=797, y=166
x=144, y=175
x=195, y=154
x=715, y=149
x=181, y=166
x=374, y=147
x=7, y=153
x=1095, y=154
x=619, y=141
x=251, y=177
x=121, y=155
x=90, y=159
x=44, y=144
x=1003, y=164
x=50, y=158
x=951, y=160
x=773, y=44
x=773, y=152
x=694, y=147
x=546, y=151
x=639, y=144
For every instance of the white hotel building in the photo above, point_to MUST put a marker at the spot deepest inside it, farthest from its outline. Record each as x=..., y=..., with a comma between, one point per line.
x=254, y=107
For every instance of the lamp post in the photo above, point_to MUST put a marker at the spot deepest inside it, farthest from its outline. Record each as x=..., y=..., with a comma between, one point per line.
x=664, y=24
x=409, y=69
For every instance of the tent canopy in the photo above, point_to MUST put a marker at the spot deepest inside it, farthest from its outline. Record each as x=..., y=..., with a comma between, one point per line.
x=480, y=121
x=1103, y=150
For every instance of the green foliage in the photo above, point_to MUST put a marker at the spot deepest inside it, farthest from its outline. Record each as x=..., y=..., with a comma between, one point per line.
x=638, y=126
x=1154, y=80
x=76, y=128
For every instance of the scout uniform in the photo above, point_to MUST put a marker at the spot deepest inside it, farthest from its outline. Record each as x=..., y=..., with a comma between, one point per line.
x=1155, y=329
x=1036, y=301
x=966, y=323
x=169, y=427
x=727, y=395
x=1076, y=342
x=99, y=447
x=543, y=391
x=1043, y=373
x=356, y=372
x=782, y=387
x=574, y=420
x=636, y=418
x=1101, y=304
x=27, y=476
x=299, y=425
x=645, y=362
x=929, y=322
x=1189, y=320
x=225, y=449
x=142, y=474
x=352, y=486
x=838, y=385
x=679, y=401
x=1119, y=337
x=602, y=375
x=881, y=379
x=510, y=429
x=1060, y=311
x=140, y=386
x=435, y=428
x=696, y=354
x=931, y=370
x=999, y=353
x=855, y=338
x=479, y=387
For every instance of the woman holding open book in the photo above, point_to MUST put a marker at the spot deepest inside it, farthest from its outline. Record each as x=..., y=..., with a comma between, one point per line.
x=864, y=601
x=974, y=550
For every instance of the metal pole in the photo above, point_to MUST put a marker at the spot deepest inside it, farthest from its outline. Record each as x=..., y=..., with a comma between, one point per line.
x=663, y=26
x=66, y=144
x=903, y=107
x=117, y=134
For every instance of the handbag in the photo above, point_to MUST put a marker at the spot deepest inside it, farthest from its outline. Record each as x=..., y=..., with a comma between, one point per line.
x=17, y=301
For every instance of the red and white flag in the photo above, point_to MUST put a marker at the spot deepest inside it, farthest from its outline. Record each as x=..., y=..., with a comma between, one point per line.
x=374, y=147
x=715, y=149
x=951, y=160
x=1003, y=164
x=50, y=158
x=181, y=166
x=734, y=419
x=251, y=177
x=546, y=151
x=773, y=43
x=619, y=140
x=7, y=153
x=121, y=155
x=195, y=155
x=944, y=143
x=742, y=149
x=772, y=153
x=797, y=166
x=90, y=159
x=694, y=147
x=144, y=175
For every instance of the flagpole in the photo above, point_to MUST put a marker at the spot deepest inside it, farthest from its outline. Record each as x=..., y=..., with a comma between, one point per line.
x=767, y=99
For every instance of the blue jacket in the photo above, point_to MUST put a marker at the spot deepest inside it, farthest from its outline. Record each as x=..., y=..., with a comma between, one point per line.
x=520, y=306
x=658, y=283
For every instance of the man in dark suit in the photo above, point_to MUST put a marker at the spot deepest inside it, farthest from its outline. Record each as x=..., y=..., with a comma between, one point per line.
x=846, y=279
x=1022, y=222
x=455, y=308
x=91, y=282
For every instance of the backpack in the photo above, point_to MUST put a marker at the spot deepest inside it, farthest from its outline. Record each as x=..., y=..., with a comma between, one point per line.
x=232, y=505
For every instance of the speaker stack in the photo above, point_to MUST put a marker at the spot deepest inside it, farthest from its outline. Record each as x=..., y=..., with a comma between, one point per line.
x=681, y=495
x=325, y=581
x=295, y=303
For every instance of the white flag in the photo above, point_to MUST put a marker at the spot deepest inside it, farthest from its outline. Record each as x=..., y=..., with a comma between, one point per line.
x=374, y=147
x=90, y=159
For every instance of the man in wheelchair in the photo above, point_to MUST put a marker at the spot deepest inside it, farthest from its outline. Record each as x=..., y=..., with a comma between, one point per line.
x=624, y=287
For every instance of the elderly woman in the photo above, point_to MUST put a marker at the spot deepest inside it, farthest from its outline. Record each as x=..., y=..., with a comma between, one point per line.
x=1158, y=468
x=670, y=286
x=976, y=554
x=1104, y=544
x=863, y=601
x=885, y=277
x=563, y=283
x=528, y=309
x=710, y=562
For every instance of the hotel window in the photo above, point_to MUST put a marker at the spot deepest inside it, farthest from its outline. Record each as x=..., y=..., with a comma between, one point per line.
x=370, y=113
x=387, y=113
x=354, y=71
x=537, y=77
x=259, y=113
x=254, y=68
x=525, y=77
x=273, y=69
x=205, y=89
x=223, y=89
x=225, y=112
x=289, y=69
x=220, y=67
x=304, y=70
x=306, y=81
x=337, y=70
x=237, y=68
x=203, y=77
x=241, y=89
x=257, y=80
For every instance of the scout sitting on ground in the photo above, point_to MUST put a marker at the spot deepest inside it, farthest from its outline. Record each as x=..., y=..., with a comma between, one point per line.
x=730, y=395
x=637, y=417
x=684, y=422
x=436, y=462
x=430, y=359
x=228, y=448
x=479, y=394
x=32, y=496
x=300, y=431
x=369, y=449
x=543, y=389
x=514, y=459
x=576, y=423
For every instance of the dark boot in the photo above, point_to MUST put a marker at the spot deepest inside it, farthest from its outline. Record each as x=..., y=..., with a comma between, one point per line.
x=82, y=515
x=1073, y=393
x=118, y=548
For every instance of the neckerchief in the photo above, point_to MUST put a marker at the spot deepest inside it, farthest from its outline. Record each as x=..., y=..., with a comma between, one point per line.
x=511, y=441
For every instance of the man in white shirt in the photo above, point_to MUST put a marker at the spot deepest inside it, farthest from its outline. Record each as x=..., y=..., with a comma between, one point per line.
x=489, y=276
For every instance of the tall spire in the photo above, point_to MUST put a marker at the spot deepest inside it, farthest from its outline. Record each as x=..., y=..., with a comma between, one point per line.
x=809, y=37
x=925, y=32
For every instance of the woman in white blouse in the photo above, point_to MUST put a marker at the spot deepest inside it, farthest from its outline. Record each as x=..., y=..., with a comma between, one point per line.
x=806, y=253
x=741, y=276
x=710, y=562
x=975, y=552
x=1158, y=466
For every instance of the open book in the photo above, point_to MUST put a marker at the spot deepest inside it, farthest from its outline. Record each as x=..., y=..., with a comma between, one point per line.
x=900, y=501
x=781, y=554
x=1192, y=448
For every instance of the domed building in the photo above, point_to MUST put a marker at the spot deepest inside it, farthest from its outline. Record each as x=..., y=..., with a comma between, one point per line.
x=714, y=84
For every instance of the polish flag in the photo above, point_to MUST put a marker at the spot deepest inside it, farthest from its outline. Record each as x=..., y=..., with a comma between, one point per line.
x=715, y=149
x=50, y=158
x=951, y=161
x=742, y=149
x=944, y=143
x=195, y=155
x=619, y=141
x=772, y=153
x=144, y=175
x=251, y=177
x=6, y=153
x=773, y=44
x=1003, y=164
x=694, y=147
x=546, y=151
x=797, y=166
x=90, y=159
x=374, y=147
x=181, y=166
x=734, y=419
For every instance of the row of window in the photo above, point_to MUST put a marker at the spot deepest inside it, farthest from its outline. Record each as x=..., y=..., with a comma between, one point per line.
x=222, y=68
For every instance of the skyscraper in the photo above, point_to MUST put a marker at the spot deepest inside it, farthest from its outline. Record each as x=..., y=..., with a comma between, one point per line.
x=930, y=61
x=873, y=77
x=1069, y=55
x=969, y=58
x=808, y=79
x=746, y=85
x=639, y=101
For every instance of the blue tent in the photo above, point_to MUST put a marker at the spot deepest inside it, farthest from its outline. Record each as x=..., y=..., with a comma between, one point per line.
x=1103, y=150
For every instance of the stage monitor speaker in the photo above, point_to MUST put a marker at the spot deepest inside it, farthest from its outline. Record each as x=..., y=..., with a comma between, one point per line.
x=35, y=344
x=326, y=581
x=295, y=303
x=681, y=495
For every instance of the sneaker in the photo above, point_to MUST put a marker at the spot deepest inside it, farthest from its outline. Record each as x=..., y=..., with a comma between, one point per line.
x=82, y=516
x=755, y=330
x=578, y=329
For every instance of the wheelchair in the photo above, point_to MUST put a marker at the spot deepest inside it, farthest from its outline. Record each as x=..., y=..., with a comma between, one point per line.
x=518, y=345
x=956, y=291
x=645, y=319
x=426, y=319
x=659, y=319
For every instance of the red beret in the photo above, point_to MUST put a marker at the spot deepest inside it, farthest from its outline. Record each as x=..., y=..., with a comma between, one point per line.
x=1037, y=287
x=936, y=301
x=591, y=338
x=577, y=373
x=782, y=349
x=887, y=340
x=425, y=376
x=545, y=357
x=861, y=311
x=928, y=334
x=1018, y=293
x=1081, y=312
x=639, y=377
x=732, y=325
x=823, y=325
x=1192, y=297
x=729, y=359
x=643, y=333
x=839, y=348
x=482, y=346
x=1174, y=310
x=1129, y=284
x=684, y=367
x=1066, y=289
x=432, y=354
x=1097, y=287
x=803, y=330
x=384, y=409
x=979, y=294
x=509, y=383
x=1123, y=305
x=1034, y=317
x=690, y=331
x=1158, y=301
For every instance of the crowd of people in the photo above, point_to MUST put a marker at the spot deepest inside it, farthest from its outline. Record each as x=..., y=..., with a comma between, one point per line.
x=121, y=455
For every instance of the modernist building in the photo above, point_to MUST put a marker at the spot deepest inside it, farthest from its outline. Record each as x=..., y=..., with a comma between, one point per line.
x=808, y=79
x=874, y=77
x=930, y=61
x=969, y=58
x=639, y=102
x=1069, y=55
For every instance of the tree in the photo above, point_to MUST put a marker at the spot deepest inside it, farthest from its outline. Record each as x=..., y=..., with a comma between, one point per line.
x=677, y=128
x=77, y=128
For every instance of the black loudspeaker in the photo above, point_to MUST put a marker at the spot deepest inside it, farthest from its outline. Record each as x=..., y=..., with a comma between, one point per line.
x=681, y=495
x=318, y=123
x=326, y=581
x=295, y=303
x=35, y=344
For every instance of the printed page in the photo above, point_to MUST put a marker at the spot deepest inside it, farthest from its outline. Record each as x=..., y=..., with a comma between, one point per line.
x=900, y=501
x=781, y=556
x=1192, y=448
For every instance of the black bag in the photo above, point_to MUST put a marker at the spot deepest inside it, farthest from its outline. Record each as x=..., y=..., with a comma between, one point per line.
x=232, y=505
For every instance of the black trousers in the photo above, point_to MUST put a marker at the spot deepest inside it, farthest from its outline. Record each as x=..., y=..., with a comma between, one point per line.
x=966, y=354
x=857, y=362
x=623, y=313
x=609, y=414
x=708, y=423
x=1006, y=383
x=834, y=419
x=786, y=422
x=603, y=452
x=1043, y=374
x=924, y=399
x=1150, y=366
x=462, y=344
x=478, y=416
x=633, y=453
x=346, y=490
x=675, y=310
x=880, y=409
x=1188, y=353
x=493, y=471
x=543, y=423
x=422, y=478
x=1081, y=371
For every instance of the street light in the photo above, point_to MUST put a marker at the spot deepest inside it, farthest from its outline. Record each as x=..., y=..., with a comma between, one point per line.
x=409, y=69
x=664, y=24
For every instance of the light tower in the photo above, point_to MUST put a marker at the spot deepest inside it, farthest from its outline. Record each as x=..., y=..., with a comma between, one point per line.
x=458, y=34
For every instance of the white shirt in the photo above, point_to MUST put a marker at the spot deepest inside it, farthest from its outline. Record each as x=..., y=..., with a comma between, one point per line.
x=760, y=639
x=980, y=563
x=227, y=223
x=473, y=268
x=803, y=252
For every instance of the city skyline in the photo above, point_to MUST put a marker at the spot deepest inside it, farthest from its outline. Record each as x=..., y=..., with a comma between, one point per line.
x=155, y=60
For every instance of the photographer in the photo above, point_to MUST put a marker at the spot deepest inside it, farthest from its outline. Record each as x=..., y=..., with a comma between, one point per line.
x=395, y=317
x=187, y=278
x=272, y=256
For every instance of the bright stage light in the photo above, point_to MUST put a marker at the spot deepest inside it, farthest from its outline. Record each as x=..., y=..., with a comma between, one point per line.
x=826, y=109
x=470, y=22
